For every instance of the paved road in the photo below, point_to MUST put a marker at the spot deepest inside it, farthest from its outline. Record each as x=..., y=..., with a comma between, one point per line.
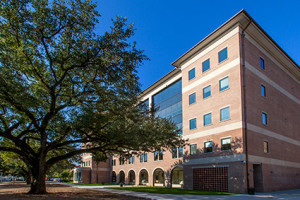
x=280, y=195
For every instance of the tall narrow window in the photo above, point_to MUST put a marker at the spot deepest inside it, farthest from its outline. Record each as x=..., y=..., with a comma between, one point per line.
x=206, y=65
x=223, y=55
x=145, y=157
x=131, y=159
x=142, y=158
x=155, y=155
x=193, y=124
x=174, y=153
x=266, y=147
x=208, y=147
x=206, y=92
x=224, y=84
x=192, y=74
x=264, y=118
x=161, y=155
x=121, y=161
x=158, y=155
x=192, y=98
x=177, y=152
x=193, y=149
x=224, y=114
x=180, y=152
x=207, y=119
x=263, y=90
x=226, y=144
x=262, y=63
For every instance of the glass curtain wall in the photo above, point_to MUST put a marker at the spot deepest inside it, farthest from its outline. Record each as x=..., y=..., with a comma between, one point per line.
x=168, y=103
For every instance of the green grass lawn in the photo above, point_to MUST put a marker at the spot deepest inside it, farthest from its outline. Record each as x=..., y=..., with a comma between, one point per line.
x=91, y=184
x=162, y=190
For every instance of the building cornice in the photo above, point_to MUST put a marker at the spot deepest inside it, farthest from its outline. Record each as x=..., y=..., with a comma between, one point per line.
x=241, y=19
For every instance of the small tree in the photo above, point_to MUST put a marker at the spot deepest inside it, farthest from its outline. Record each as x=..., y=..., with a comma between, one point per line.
x=97, y=158
x=62, y=85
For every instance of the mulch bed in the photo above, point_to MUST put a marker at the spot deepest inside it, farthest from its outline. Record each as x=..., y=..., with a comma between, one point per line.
x=57, y=192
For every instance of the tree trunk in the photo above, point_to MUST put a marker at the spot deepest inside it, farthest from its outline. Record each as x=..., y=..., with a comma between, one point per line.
x=97, y=173
x=38, y=184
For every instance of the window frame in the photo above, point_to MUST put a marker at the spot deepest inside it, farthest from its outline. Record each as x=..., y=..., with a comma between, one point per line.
x=191, y=149
x=225, y=48
x=195, y=123
x=195, y=100
x=221, y=120
x=223, y=89
x=266, y=148
x=225, y=149
x=189, y=74
x=204, y=119
x=205, y=148
x=160, y=155
x=203, y=71
x=263, y=92
x=175, y=152
x=262, y=118
x=209, y=86
x=262, y=63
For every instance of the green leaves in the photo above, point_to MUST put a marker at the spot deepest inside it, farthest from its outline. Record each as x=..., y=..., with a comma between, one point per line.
x=61, y=85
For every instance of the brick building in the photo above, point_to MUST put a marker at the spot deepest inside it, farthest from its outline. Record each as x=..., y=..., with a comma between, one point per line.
x=236, y=96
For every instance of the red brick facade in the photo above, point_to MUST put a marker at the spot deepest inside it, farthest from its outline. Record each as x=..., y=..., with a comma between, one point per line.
x=273, y=162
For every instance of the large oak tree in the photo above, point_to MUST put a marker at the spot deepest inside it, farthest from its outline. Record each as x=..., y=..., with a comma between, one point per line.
x=63, y=85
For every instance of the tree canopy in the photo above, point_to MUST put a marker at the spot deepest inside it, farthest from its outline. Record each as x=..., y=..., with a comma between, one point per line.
x=63, y=85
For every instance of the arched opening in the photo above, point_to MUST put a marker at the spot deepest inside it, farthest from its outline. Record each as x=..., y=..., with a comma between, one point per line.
x=114, y=177
x=158, y=177
x=144, y=177
x=177, y=177
x=122, y=177
x=131, y=176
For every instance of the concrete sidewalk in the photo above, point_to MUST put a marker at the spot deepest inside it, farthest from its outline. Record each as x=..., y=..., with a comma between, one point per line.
x=280, y=195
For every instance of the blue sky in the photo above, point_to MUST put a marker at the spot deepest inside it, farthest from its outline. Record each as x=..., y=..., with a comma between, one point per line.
x=168, y=28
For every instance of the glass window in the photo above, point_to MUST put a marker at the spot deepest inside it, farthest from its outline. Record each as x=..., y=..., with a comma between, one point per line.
x=263, y=90
x=262, y=63
x=158, y=155
x=142, y=158
x=131, y=159
x=206, y=65
x=193, y=148
x=174, y=153
x=206, y=92
x=224, y=84
x=161, y=155
x=145, y=157
x=223, y=55
x=155, y=155
x=168, y=103
x=224, y=114
x=180, y=152
x=192, y=98
x=192, y=74
x=207, y=119
x=193, y=123
x=226, y=144
x=266, y=147
x=208, y=147
x=121, y=161
x=264, y=118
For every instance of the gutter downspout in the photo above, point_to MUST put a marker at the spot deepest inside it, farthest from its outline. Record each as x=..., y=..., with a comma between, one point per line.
x=245, y=106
